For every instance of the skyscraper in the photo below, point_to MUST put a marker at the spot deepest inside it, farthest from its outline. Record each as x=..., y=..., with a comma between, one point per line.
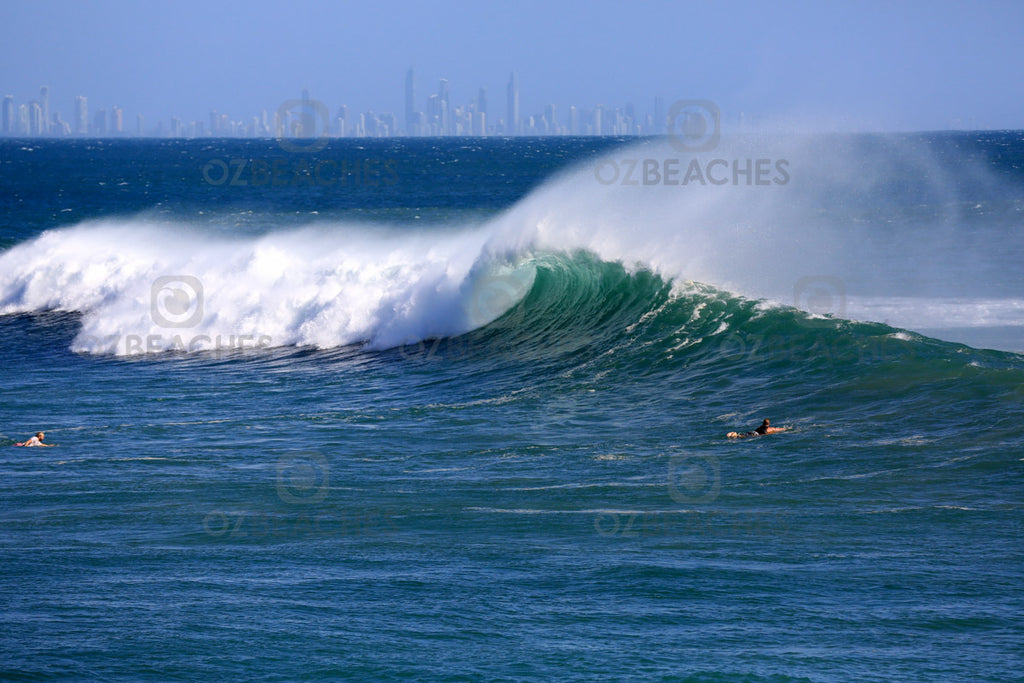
x=410, y=103
x=81, y=115
x=480, y=115
x=341, y=121
x=23, y=126
x=433, y=115
x=512, y=106
x=44, y=104
x=551, y=120
x=37, y=125
x=445, y=107
x=307, y=117
x=9, y=116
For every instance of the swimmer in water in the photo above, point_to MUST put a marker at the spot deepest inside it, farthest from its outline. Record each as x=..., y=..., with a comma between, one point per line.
x=763, y=429
x=36, y=440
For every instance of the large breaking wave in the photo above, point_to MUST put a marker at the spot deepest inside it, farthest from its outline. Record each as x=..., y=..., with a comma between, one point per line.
x=842, y=232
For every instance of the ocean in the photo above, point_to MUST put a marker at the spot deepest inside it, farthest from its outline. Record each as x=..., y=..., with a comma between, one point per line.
x=456, y=409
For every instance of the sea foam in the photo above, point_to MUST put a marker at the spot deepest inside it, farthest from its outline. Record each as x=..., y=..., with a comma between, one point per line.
x=143, y=286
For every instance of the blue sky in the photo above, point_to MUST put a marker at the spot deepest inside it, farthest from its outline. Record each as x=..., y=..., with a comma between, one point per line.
x=865, y=65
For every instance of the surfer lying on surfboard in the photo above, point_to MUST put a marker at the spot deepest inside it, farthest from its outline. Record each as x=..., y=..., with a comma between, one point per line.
x=36, y=440
x=763, y=429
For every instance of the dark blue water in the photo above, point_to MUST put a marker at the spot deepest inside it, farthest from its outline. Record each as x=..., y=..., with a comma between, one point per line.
x=456, y=410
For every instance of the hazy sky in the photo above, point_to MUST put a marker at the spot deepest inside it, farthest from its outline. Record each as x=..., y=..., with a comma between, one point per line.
x=860, y=65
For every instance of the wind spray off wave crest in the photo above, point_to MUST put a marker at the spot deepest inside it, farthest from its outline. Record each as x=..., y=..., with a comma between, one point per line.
x=870, y=227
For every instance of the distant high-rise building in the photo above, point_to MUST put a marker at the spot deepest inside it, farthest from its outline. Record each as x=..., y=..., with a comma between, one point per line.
x=116, y=120
x=574, y=120
x=341, y=122
x=445, y=111
x=481, y=101
x=140, y=125
x=81, y=115
x=550, y=120
x=37, y=124
x=410, y=102
x=59, y=126
x=433, y=115
x=598, y=120
x=44, y=104
x=306, y=125
x=23, y=127
x=390, y=123
x=9, y=115
x=512, y=106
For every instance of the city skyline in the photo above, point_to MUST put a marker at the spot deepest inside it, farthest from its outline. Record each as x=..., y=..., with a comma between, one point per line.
x=873, y=66
x=432, y=114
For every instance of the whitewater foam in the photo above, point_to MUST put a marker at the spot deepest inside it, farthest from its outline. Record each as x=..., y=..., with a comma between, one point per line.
x=144, y=287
